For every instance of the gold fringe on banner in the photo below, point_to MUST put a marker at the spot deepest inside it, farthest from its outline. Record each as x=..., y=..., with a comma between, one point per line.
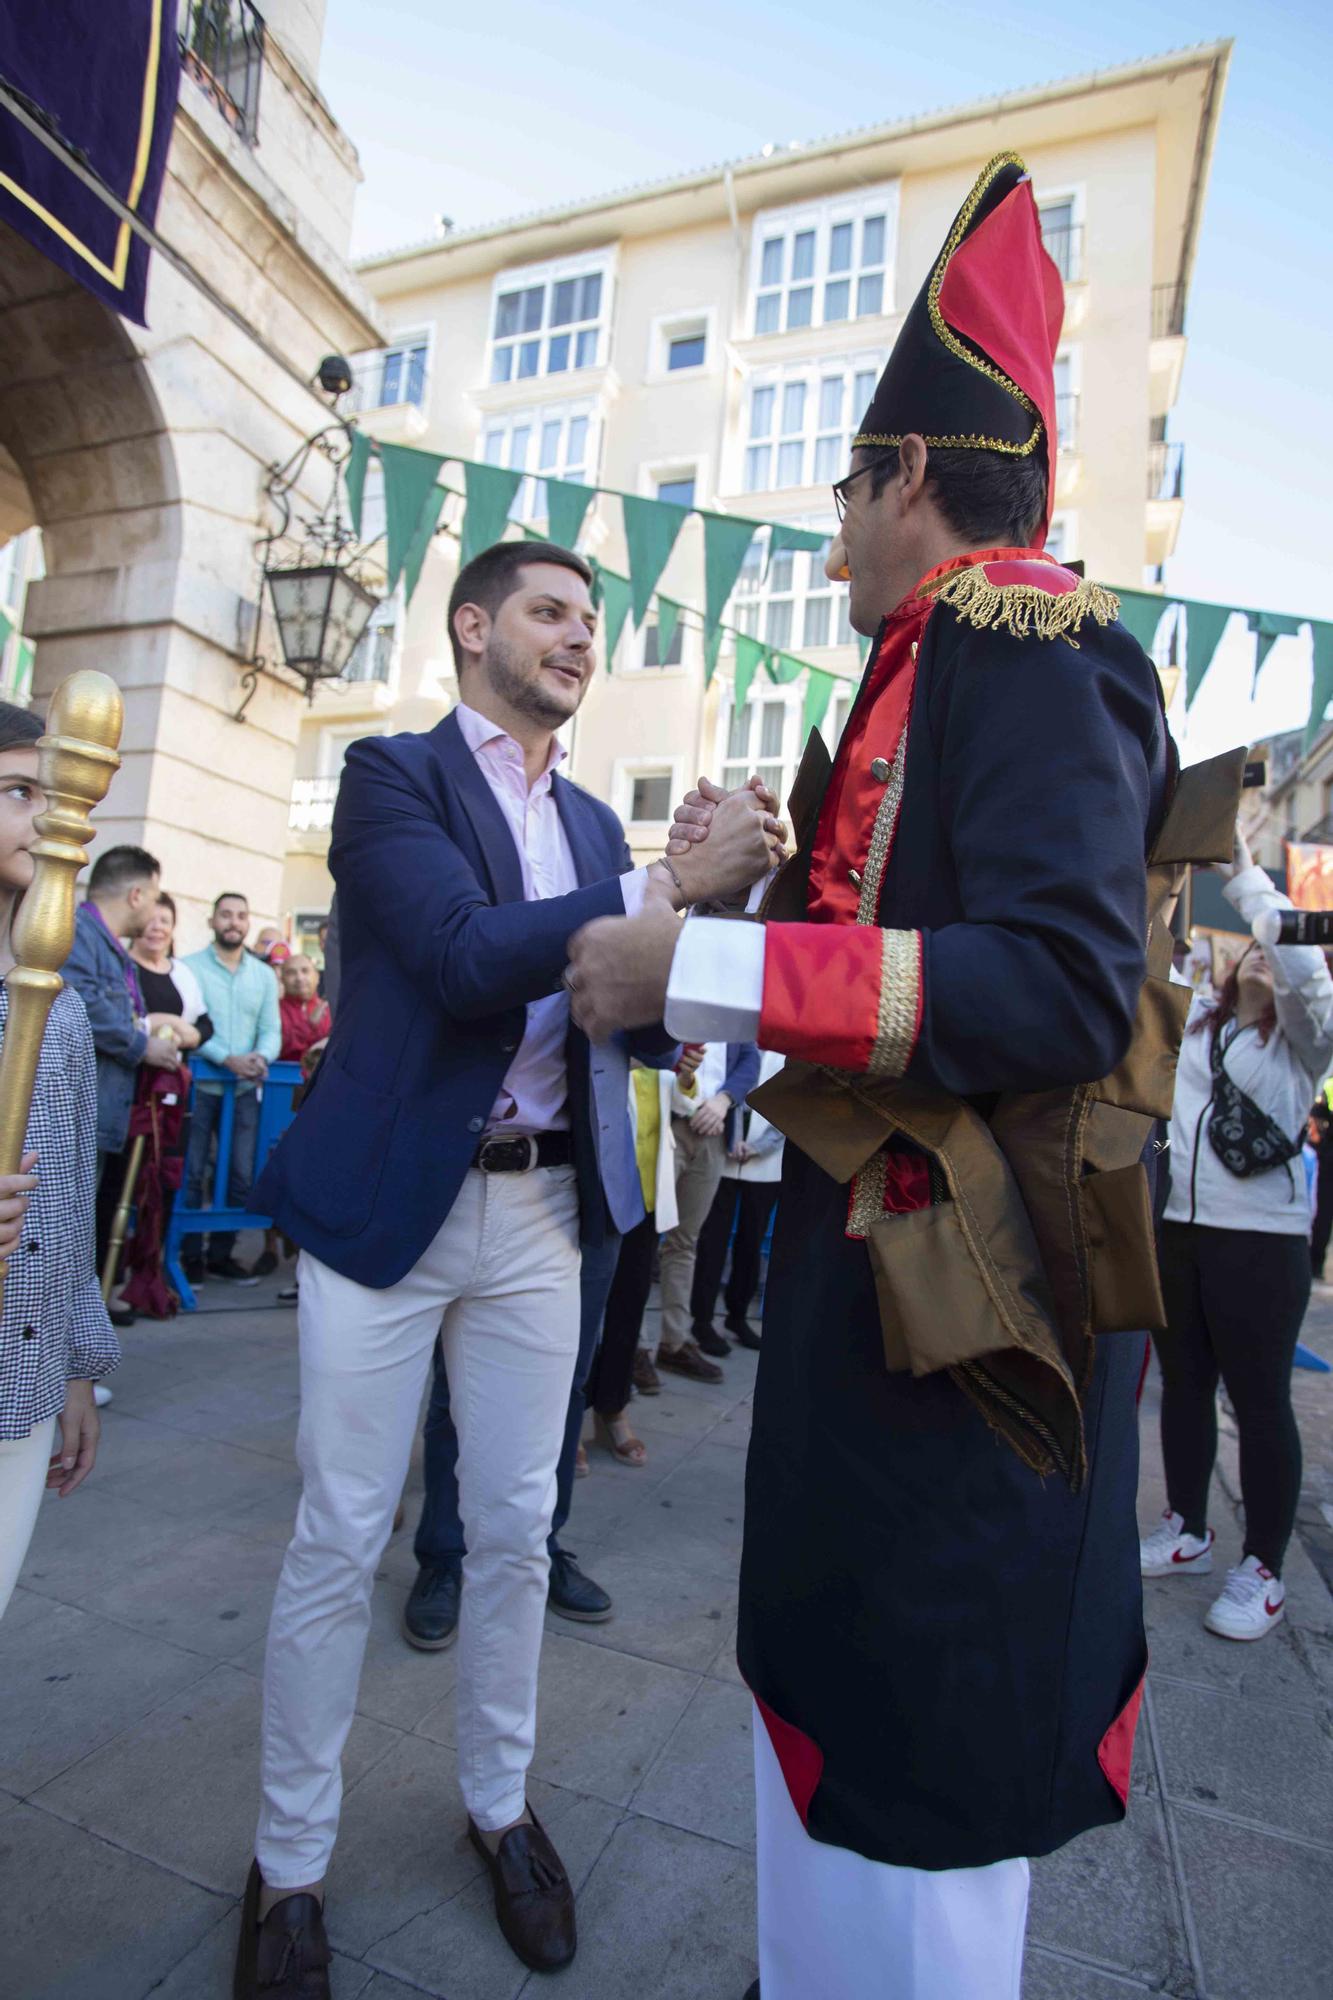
x=1025, y=609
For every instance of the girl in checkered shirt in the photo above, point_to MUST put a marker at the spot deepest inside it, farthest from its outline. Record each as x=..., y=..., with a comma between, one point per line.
x=55, y=1338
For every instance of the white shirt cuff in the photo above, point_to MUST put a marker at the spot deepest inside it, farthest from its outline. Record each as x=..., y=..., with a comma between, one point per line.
x=716, y=989
x=634, y=887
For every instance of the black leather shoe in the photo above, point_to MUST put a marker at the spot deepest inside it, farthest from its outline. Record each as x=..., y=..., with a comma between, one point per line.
x=430, y=1615
x=286, y=1957
x=574, y=1595
x=709, y=1341
x=743, y=1333
x=752, y=1992
x=534, y=1904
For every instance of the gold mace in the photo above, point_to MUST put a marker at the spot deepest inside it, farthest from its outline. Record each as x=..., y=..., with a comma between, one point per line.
x=76, y=761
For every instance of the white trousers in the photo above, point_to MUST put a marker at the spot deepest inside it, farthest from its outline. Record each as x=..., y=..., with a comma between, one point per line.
x=834, y=1926
x=504, y=1273
x=24, y=1463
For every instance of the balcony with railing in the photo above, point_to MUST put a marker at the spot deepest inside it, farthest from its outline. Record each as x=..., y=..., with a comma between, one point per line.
x=1166, y=347
x=1166, y=492
x=222, y=48
x=311, y=809
x=1064, y=246
x=393, y=382
x=1168, y=311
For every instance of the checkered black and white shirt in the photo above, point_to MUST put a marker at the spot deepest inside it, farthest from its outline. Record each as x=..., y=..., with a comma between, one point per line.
x=54, y=1328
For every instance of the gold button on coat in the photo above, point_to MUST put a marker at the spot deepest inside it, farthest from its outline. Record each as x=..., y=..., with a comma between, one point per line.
x=879, y=770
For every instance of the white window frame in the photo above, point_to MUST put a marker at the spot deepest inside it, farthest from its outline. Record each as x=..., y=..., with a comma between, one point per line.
x=369, y=364
x=529, y=501
x=623, y=773
x=334, y=744
x=389, y=611
x=867, y=362
x=749, y=608
x=779, y=771
x=1075, y=193
x=1066, y=519
x=666, y=327
x=1070, y=355
x=823, y=217
x=526, y=277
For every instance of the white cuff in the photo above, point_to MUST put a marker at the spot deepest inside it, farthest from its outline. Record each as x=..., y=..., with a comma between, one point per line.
x=716, y=990
x=634, y=887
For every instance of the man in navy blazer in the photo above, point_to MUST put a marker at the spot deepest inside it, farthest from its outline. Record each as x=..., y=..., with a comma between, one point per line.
x=456, y=1146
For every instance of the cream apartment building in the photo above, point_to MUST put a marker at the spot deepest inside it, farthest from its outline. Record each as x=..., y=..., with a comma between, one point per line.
x=714, y=339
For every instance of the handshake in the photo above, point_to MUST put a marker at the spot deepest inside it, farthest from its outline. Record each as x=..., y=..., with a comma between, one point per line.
x=721, y=845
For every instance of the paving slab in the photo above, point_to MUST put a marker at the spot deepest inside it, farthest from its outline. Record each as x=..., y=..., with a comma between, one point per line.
x=210, y=1593
x=1250, y=1759
x=202, y=1480
x=1278, y=1669
x=74, y=1559
x=85, y=1921
x=666, y=1915
x=1262, y=1909
x=663, y=1611
x=456, y=1950
x=703, y=1780
x=1109, y=1896
x=181, y=1787
x=71, y=1682
x=1047, y=1976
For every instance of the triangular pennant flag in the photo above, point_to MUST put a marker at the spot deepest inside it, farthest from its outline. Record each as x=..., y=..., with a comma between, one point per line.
x=1268, y=627
x=6, y=627
x=818, y=693
x=651, y=528
x=750, y=656
x=490, y=495
x=416, y=555
x=354, y=477
x=409, y=476
x=1321, y=691
x=615, y=600
x=1204, y=626
x=712, y=647
x=567, y=506
x=668, y=617
x=725, y=544
x=1141, y=614
x=781, y=539
x=23, y=658
x=784, y=669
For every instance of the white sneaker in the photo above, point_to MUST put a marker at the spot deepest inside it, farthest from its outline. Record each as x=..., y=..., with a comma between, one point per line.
x=101, y=1395
x=1169, y=1551
x=1251, y=1603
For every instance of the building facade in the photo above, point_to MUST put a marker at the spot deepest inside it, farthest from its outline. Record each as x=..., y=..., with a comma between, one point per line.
x=133, y=460
x=714, y=340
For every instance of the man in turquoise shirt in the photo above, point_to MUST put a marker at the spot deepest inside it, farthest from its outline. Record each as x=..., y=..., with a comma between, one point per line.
x=241, y=998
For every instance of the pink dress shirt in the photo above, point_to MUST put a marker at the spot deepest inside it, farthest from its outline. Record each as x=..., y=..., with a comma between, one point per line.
x=534, y=1095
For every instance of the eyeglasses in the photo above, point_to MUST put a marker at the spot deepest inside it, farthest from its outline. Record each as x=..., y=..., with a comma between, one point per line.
x=840, y=489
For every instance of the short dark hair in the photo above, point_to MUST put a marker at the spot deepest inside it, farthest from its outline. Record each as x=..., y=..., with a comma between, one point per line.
x=19, y=727
x=120, y=868
x=230, y=896
x=493, y=576
x=985, y=496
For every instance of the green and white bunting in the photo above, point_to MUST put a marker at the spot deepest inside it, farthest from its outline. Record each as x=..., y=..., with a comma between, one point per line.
x=651, y=528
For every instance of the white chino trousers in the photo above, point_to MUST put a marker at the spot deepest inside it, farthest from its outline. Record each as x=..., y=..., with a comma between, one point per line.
x=834, y=1926
x=504, y=1273
x=24, y=1463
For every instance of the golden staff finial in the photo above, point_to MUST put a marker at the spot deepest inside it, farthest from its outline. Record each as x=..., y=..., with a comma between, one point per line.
x=76, y=761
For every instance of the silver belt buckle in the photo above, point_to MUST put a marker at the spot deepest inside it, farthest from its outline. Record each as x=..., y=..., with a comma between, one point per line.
x=532, y=1152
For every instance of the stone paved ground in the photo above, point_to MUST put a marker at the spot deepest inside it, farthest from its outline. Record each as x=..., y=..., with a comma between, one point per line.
x=129, y=1705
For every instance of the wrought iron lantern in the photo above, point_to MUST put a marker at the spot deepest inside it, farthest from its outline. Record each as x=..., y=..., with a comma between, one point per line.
x=319, y=582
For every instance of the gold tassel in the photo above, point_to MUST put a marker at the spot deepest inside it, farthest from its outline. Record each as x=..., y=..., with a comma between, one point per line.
x=1025, y=609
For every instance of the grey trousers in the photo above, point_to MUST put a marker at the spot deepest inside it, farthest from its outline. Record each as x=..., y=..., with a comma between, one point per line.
x=698, y=1174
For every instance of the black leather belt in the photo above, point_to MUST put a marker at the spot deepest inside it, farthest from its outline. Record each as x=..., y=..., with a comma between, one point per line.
x=520, y=1156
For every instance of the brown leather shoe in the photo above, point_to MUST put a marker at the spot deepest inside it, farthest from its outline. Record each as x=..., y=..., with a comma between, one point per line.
x=287, y=1956
x=687, y=1360
x=645, y=1376
x=534, y=1904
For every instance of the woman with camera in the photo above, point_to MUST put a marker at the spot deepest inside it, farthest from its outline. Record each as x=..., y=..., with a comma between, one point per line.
x=1235, y=1255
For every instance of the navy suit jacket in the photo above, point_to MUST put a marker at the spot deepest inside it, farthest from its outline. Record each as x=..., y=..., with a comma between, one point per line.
x=440, y=954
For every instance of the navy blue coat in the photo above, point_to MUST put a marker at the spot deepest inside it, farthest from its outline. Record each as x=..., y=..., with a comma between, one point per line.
x=440, y=954
x=95, y=969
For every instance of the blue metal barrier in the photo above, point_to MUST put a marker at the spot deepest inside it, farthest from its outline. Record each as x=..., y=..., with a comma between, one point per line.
x=275, y=1115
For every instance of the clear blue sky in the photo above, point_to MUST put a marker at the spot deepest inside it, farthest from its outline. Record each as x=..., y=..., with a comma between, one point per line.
x=530, y=105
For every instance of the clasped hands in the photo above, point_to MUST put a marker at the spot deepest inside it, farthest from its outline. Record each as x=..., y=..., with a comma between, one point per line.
x=721, y=844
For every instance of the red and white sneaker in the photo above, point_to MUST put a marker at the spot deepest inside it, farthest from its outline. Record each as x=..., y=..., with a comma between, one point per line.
x=1169, y=1551
x=1251, y=1604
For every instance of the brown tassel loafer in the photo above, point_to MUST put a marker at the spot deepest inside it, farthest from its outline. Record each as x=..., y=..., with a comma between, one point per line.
x=286, y=1957
x=534, y=1904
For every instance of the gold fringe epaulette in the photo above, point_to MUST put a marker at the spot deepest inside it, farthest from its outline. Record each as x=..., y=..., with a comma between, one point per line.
x=1025, y=609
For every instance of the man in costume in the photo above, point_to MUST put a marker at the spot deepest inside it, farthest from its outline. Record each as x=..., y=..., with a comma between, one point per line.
x=940, y=1605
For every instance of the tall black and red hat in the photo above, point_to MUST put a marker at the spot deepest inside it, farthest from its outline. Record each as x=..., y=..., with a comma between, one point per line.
x=972, y=367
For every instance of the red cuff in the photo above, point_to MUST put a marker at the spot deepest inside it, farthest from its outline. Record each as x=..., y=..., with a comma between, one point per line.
x=848, y=995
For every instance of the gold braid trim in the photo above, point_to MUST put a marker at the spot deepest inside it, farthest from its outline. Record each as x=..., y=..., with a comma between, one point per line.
x=867, y=1203
x=1025, y=609
x=899, y=991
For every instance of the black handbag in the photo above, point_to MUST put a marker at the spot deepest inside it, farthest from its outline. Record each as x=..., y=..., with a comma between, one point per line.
x=1246, y=1140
